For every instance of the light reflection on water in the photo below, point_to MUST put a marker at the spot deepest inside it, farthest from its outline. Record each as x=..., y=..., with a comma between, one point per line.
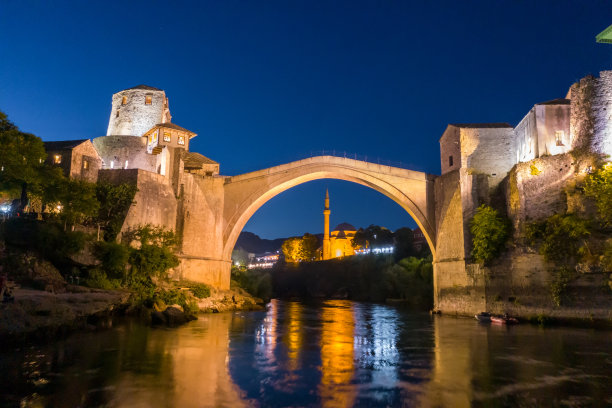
x=332, y=354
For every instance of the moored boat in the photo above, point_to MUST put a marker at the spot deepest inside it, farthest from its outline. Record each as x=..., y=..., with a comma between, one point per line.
x=483, y=317
x=505, y=319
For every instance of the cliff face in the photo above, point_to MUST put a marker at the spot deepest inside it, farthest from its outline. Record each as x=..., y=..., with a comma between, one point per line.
x=521, y=281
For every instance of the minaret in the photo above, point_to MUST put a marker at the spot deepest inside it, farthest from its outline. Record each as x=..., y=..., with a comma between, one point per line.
x=326, y=250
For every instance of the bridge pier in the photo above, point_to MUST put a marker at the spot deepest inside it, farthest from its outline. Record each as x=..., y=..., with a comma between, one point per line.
x=213, y=272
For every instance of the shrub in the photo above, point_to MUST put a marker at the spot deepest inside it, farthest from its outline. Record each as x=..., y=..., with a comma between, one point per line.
x=200, y=290
x=598, y=186
x=114, y=258
x=99, y=279
x=152, y=261
x=489, y=233
x=47, y=238
x=561, y=237
x=561, y=278
x=178, y=297
x=607, y=256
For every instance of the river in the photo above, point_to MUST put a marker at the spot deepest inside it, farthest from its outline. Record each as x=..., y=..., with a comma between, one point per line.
x=332, y=354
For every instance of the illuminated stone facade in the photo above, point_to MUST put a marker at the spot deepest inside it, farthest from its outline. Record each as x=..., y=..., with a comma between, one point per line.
x=136, y=110
x=341, y=241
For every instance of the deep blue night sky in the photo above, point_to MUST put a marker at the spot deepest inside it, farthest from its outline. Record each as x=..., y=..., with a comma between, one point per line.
x=263, y=83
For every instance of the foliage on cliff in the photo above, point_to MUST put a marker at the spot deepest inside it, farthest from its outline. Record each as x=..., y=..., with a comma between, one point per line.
x=144, y=258
x=490, y=231
x=561, y=238
x=598, y=186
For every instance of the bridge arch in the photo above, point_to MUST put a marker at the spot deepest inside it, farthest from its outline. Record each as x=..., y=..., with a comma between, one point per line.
x=246, y=193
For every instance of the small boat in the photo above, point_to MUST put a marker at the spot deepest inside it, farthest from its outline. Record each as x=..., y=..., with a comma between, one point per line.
x=483, y=317
x=505, y=319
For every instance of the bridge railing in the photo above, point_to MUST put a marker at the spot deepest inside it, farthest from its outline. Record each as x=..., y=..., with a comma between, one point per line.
x=355, y=156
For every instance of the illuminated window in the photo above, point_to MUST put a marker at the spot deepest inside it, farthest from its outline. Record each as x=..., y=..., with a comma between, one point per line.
x=57, y=159
x=112, y=164
x=85, y=164
x=450, y=161
x=166, y=137
x=181, y=140
x=124, y=100
x=126, y=164
x=148, y=99
x=559, y=137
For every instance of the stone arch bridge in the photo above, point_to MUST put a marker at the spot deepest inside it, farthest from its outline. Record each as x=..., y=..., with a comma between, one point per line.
x=214, y=214
x=209, y=212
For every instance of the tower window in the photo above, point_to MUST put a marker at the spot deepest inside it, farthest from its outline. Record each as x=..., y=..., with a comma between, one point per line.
x=166, y=137
x=181, y=140
x=148, y=99
x=124, y=100
x=57, y=159
x=117, y=114
x=450, y=161
x=559, y=137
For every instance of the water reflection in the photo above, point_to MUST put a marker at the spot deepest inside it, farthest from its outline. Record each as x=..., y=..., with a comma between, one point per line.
x=337, y=354
x=333, y=354
x=293, y=336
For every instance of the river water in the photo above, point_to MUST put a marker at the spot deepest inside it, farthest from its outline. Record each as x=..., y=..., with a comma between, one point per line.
x=332, y=354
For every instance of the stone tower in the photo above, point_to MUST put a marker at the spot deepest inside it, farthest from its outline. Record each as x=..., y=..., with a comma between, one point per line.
x=136, y=110
x=326, y=248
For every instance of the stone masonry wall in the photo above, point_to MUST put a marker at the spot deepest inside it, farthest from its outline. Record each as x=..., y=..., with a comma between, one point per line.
x=200, y=225
x=602, y=112
x=85, y=152
x=591, y=114
x=488, y=151
x=130, y=149
x=154, y=202
x=456, y=289
x=449, y=147
x=535, y=189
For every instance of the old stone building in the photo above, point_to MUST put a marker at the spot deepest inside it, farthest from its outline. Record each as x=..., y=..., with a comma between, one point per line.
x=77, y=158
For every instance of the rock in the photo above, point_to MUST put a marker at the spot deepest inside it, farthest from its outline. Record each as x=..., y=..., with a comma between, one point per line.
x=158, y=317
x=175, y=316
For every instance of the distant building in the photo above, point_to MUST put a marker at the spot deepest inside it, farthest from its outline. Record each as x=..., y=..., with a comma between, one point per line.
x=265, y=260
x=418, y=239
x=77, y=158
x=339, y=242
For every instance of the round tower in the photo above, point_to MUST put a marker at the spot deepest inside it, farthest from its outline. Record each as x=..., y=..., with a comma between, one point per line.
x=136, y=110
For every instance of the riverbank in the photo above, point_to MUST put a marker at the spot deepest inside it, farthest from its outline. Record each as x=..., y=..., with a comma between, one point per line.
x=41, y=316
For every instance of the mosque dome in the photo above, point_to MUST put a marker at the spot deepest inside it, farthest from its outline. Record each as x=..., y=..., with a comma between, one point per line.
x=345, y=226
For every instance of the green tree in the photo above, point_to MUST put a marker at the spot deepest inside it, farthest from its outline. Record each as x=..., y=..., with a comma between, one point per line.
x=115, y=201
x=404, y=243
x=291, y=249
x=298, y=249
x=22, y=158
x=598, y=186
x=373, y=237
x=562, y=238
x=78, y=201
x=308, y=247
x=489, y=233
